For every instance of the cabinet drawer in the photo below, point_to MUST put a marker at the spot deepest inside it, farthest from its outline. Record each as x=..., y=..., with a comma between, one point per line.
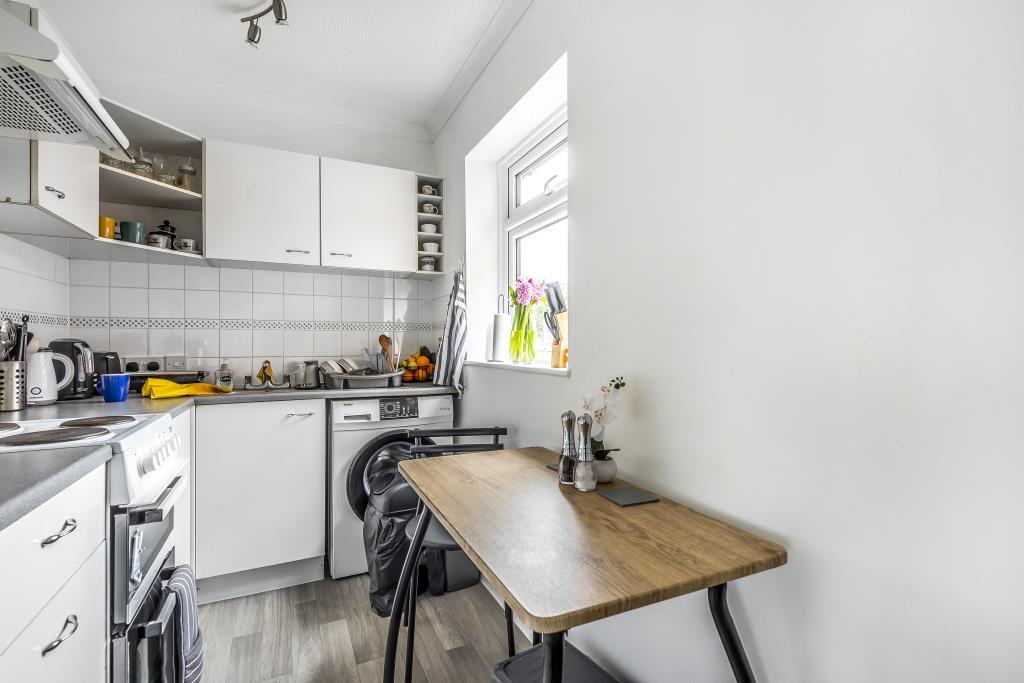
x=31, y=572
x=77, y=614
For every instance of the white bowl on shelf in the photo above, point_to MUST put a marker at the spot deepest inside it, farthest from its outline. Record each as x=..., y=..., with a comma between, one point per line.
x=428, y=227
x=431, y=246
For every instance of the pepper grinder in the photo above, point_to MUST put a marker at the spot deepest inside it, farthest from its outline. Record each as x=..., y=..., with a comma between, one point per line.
x=567, y=462
x=583, y=474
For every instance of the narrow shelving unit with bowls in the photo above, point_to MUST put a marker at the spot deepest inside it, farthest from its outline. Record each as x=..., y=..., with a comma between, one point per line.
x=171, y=197
x=429, y=224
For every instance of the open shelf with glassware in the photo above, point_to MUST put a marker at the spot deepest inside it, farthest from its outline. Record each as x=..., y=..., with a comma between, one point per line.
x=161, y=190
x=429, y=224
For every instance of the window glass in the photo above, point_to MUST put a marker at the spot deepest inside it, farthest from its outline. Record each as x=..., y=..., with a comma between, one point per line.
x=548, y=174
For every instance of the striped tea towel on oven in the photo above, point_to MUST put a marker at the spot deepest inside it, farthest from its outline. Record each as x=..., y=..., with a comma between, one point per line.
x=184, y=662
x=452, y=353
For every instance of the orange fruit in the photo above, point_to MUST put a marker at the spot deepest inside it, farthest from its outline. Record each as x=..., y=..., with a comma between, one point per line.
x=423, y=361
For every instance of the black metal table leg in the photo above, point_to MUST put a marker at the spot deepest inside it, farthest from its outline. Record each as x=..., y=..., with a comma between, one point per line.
x=510, y=633
x=727, y=632
x=536, y=638
x=554, y=646
x=410, y=624
x=401, y=591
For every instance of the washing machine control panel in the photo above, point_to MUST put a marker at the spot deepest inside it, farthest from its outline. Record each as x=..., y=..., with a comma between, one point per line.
x=399, y=408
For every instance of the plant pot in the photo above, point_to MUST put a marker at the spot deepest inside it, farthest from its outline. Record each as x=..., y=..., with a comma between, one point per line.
x=605, y=471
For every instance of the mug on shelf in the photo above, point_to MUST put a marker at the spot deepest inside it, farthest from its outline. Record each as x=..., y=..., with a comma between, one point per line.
x=114, y=387
x=108, y=226
x=431, y=246
x=431, y=208
x=429, y=228
x=428, y=189
x=185, y=244
x=133, y=231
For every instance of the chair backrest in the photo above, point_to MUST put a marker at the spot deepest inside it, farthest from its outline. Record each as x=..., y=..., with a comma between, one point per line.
x=419, y=450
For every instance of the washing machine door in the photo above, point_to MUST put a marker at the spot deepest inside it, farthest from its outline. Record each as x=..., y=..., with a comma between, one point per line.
x=383, y=452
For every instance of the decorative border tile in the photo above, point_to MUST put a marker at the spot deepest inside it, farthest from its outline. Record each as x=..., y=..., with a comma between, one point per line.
x=166, y=323
x=227, y=324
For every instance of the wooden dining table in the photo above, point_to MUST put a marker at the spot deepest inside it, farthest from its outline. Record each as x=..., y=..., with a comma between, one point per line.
x=561, y=558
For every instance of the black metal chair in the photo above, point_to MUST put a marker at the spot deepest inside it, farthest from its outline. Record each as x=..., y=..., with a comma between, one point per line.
x=437, y=537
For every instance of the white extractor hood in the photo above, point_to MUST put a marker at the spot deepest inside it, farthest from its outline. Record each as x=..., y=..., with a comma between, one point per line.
x=43, y=93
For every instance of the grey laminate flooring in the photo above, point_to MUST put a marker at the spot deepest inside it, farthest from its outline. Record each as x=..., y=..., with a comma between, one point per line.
x=325, y=631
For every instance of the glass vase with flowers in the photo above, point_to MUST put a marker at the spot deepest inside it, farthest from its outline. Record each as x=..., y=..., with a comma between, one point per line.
x=524, y=295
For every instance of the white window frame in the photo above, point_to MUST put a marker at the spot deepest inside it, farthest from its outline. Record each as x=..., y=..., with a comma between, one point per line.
x=540, y=212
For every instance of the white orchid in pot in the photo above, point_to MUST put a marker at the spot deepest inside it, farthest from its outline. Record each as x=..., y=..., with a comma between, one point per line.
x=601, y=406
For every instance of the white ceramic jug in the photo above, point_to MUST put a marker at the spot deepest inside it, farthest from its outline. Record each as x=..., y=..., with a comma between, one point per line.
x=42, y=378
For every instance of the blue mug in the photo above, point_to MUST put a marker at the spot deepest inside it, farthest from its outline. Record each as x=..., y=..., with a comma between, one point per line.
x=114, y=387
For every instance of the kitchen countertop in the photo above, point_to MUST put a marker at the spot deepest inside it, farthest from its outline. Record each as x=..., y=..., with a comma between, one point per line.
x=137, y=405
x=30, y=478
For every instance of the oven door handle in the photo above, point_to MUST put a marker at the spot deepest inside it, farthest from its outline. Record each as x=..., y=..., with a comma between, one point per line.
x=147, y=514
x=152, y=629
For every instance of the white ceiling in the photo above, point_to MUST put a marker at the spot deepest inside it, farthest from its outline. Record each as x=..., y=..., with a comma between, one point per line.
x=398, y=66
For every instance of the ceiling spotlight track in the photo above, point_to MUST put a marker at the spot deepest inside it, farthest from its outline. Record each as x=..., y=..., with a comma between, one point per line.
x=255, y=32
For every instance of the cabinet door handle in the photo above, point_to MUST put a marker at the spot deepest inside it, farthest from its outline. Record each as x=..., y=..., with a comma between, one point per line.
x=299, y=414
x=338, y=253
x=297, y=251
x=69, y=526
x=66, y=631
x=51, y=188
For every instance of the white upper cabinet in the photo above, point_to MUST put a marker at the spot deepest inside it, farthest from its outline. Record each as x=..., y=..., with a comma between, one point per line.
x=261, y=204
x=66, y=183
x=368, y=216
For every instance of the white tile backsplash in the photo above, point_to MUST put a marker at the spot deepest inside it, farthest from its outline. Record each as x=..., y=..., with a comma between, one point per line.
x=298, y=307
x=166, y=342
x=236, y=306
x=202, y=304
x=128, y=274
x=235, y=342
x=88, y=301
x=327, y=308
x=327, y=284
x=354, y=308
x=202, y=277
x=208, y=313
x=90, y=272
x=166, y=276
x=270, y=281
x=354, y=285
x=166, y=303
x=129, y=302
x=267, y=306
x=298, y=283
x=235, y=280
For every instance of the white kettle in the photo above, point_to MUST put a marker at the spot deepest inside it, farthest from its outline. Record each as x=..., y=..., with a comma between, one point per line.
x=42, y=378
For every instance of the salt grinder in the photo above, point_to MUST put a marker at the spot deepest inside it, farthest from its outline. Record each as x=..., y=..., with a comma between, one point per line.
x=583, y=475
x=568, y=459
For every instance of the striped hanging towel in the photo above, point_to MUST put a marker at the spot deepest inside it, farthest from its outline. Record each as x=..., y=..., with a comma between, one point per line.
x=452, y=353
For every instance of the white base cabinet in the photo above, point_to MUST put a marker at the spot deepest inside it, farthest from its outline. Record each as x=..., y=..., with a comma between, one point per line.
x=260, y=485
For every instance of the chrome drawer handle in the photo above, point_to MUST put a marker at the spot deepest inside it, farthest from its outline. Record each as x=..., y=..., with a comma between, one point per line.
x=297, y=251
x=71, y=621
x=299, y=414
x=69, y=526
x=338, y=253
x=50, y=188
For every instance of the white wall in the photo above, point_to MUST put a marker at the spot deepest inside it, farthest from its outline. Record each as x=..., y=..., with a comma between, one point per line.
x=817, y=206
x=35, y=282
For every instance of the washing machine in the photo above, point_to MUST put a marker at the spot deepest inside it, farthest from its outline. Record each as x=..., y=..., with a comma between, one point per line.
x=359, y=428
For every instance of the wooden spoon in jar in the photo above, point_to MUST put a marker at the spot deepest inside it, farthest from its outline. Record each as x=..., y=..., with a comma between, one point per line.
x=385, y=344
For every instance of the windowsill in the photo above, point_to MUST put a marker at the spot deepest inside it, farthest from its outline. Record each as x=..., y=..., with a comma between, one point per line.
x=513, y=367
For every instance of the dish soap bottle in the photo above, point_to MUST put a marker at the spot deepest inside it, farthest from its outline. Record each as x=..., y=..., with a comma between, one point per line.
x=225, y=378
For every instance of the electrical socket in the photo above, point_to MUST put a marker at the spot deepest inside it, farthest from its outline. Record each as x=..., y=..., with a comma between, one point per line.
x=174, y=363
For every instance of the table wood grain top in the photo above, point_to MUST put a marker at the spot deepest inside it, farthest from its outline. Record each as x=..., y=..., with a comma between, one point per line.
x=561, y=558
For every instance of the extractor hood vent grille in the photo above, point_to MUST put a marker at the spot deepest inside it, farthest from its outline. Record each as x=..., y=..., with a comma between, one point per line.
x=44, y=114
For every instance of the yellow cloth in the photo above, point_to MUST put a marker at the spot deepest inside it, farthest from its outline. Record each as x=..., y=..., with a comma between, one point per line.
x=165, y=388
